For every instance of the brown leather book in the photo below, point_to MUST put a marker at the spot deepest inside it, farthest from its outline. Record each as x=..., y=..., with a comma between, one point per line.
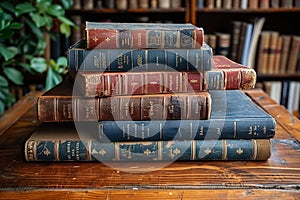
x=65, y=103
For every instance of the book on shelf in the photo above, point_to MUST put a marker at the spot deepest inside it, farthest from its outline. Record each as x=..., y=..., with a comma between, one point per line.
x=83, y=59
x=64, y=103
x=143, y=35
x=294, y=54
x=233, y=116
x=224, y=75
x=48, y=143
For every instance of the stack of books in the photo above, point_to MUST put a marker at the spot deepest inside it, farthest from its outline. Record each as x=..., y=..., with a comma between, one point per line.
x=150, y=92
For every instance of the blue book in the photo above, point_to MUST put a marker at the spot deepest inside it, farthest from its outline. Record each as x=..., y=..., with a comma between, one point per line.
x=233, y=116
x=238, y=129
x=122, y=60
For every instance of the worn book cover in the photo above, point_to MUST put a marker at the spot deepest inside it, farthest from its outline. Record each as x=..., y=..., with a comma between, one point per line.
x=233, y=116
x=49, y=143
x=143, y=35
x=224, y=75
x=150, y=59
x=65, y=103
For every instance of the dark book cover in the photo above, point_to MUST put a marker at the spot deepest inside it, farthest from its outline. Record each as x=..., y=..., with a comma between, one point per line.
x=64, y=102
x=49, y=143
x=151, y=59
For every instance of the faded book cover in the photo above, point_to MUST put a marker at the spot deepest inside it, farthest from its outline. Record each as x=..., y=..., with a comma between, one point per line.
x=65, y=103
x=143, y=35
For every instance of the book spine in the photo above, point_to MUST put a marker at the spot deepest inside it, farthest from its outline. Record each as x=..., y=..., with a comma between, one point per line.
x=93, y=150
x=67, y=109
x=146, y=107
x=91, y=84
x=125, y=131
x=140, y=38
x=118, y=60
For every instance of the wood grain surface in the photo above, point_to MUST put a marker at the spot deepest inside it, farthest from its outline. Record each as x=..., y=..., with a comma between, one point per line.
x=276, y=178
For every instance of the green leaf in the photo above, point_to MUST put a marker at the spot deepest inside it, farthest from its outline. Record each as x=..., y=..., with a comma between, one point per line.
x=38, y=19
x=52, y=79
x=36, y=31
x=65, y=29
x=66, y=21
x=39, y=64
x=26, y=7
x=4, y=24
x=16, y=25
x=27, y=67
x=8, y=52
x=2, y=107
x=3, y=81
x=56, y=10
x=62, y=61
x=14, y=75
x=67, y=4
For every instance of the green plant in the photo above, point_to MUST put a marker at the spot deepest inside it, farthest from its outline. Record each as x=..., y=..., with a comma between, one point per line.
x=23, y=27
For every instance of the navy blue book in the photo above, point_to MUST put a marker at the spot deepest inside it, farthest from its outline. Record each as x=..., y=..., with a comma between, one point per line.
x=120, y=60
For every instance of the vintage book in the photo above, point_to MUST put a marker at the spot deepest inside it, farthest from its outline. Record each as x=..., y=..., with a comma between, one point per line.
x=223, y=43
x=294, y=54
x=244, y=4
x=241, y=41
x=224, y=75
x=275, y=3
x=49, y=143
x=236, y=4
x=263, y=52
x=60, y=104
x=233, y=116
x=272, y=52
x=210, y=4
x=264, y=4
x=235, y=34
x=117, y=60
x=246, y=45
x=227, y=4
x=253, y=4
x=143, y=35
x=287, y=3
x=257, y=28
x=286, y=44
x=278, y=55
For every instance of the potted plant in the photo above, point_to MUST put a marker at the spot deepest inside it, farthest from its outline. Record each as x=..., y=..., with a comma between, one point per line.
x=24, y=26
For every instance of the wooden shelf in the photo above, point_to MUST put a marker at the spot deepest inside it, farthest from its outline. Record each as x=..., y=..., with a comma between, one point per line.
x=238, y=11
x=128, y=11
x=279, y=77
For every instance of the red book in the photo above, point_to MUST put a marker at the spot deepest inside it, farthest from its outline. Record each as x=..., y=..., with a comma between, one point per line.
x=224, y=75
x=143, y=35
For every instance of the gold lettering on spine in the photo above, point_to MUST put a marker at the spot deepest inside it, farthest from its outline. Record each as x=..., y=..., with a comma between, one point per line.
x=160, y=131
x=254, y=146
x=224, y=149
x=135, y=130
x=193, y=149
x=69, y=150
x=77, y=151
x=234, y=129
x=103, y=63
x=160, y=150
x=55, y=104
x=56, y=150
x=117, y=151
x=191, y=131
x=128, y=131
x=139, y=39
x=143, y=131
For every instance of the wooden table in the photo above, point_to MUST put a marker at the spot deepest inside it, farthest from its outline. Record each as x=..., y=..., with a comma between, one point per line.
x=277, y=178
